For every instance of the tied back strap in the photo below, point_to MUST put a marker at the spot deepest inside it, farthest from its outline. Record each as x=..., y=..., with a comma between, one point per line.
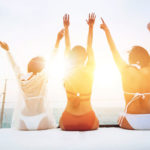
x=78, y=94
x=134, y=98
x=77, y=99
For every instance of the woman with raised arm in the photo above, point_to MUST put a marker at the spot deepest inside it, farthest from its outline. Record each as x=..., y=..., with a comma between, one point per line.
x=32, y=111
x=135, y=82
x=78, y=114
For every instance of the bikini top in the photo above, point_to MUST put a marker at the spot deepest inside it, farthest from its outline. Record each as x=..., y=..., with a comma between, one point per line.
x=77, y=99
x=78, y=95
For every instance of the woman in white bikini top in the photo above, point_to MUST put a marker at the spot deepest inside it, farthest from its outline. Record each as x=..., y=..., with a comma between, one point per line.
x=32, y=111
x=135, y=82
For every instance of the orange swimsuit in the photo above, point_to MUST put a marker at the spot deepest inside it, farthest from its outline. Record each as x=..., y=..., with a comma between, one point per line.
x=83, y=122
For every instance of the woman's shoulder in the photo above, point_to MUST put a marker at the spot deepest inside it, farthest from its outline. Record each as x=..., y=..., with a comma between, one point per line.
x=30, y=77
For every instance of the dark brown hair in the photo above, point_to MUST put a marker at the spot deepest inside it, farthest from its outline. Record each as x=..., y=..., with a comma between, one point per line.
x=78, y=55
x=139, y=55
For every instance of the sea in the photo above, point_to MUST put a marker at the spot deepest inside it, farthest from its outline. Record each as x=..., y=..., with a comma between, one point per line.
x=107, y=107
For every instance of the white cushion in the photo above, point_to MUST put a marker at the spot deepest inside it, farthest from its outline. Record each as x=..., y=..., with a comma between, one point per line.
x=55, y=139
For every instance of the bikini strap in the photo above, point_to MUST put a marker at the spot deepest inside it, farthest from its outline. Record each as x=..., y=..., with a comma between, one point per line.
x=34, y=97
x=134, y=98
x=137, y=94
x=78, y=94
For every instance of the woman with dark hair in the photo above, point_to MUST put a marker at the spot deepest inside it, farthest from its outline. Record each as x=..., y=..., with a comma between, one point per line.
x=32, y=111
x=135, y=82
x=78, y=114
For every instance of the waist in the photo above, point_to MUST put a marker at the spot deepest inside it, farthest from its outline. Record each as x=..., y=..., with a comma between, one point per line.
x=138, y=115
x=72, y=99
x=79, y=110
x=79, y=115
x=33, y=116
x=33, y=98
x=30, y=110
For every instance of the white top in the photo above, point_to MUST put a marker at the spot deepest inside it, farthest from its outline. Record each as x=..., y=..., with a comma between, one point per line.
x=33, y=89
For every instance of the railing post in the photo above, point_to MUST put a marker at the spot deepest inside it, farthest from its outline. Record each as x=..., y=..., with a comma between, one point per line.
x=3, y=103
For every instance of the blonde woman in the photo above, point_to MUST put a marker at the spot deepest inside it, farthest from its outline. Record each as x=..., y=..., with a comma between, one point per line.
x=32, y=112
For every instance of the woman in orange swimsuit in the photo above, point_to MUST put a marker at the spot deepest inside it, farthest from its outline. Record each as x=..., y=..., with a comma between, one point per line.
x=78, y=114
x=136, y=84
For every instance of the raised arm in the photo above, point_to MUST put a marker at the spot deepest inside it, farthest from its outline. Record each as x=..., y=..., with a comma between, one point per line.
x=53, y=54
x=66, y=22
x=11, y=59
x=117, y=58
x=60, y=35
x=90, y=21
x=148, y=26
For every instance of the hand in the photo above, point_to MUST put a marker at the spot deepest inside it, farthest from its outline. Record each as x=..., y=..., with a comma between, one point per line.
x=103, y=25
x=60, y=35
x=91, y=20
x=66, y=20
x=4, y=46
x=148, y=26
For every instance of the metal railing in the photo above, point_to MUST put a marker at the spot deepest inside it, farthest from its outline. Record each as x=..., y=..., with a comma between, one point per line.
x=3, y=102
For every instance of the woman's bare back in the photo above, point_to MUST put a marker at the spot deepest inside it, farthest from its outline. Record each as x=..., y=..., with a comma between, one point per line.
x=137, y=81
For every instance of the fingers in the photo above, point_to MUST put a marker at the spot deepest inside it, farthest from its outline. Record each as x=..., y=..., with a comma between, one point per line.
x=66, y=17
x=66, y=21
x=89, y=16
x=103, y=23
x=102, y=20
x=92, y=16
x=4, y=45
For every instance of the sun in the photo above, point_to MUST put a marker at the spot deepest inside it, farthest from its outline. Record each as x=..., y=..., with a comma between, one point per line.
x=55, y=67
x=105, y=74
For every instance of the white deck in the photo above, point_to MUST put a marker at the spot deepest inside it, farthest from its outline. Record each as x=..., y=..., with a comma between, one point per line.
x=55, y=139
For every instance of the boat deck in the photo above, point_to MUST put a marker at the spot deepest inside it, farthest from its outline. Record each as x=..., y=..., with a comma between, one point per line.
x=105, y=138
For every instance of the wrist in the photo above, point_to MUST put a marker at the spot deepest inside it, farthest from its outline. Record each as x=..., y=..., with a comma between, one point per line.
x=106, y=30
x=57, y=43
x=91, y=26
x=66, y=27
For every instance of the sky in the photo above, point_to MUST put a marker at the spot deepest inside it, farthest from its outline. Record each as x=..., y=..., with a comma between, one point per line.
x=30, y=28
